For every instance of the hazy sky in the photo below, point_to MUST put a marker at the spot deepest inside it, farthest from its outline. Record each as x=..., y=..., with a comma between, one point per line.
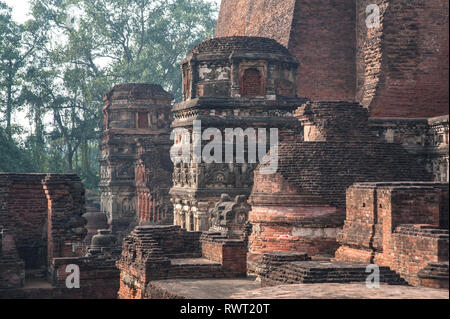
x=21, y=8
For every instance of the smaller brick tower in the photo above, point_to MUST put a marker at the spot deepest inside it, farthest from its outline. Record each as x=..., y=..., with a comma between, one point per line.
x=230, y=83
x=133, y=112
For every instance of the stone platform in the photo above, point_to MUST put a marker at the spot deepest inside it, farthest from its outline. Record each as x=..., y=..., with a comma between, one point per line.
x=342, y=291
x=249, y=288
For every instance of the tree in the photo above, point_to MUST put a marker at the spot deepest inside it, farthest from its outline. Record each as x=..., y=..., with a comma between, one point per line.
x=75, y=51
x=17, y=43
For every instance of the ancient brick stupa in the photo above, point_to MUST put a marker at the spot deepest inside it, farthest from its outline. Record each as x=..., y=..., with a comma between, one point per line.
x=395, y=68
x=302, y=206
x=135, y=115
x=232, y=82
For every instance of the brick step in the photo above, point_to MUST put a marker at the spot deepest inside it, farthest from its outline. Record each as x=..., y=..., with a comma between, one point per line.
x=438, y=270
x=324, y=272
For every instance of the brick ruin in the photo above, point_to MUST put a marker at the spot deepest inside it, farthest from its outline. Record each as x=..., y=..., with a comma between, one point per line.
x=135, y=156
x=424, y=138
x=400, y=225
x=152, y=253
x=221, y=78
x=362, y=172
x=302, y=206
x=43, y=231
x=394, y=70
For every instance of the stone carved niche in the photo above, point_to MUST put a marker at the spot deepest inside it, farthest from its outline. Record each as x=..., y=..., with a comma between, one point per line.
x=252, y=78
x=230, y=217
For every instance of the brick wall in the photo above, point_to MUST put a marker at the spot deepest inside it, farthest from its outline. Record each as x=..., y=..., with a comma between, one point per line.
x=397, y=70
x=25, y=215
x=271, y=19
x=66, y=231
x=43, y=229
x=12, y=268
x=402, y=67
x=231, y=254
x=426, y=138
x=322, y=37
x=319, y=33
x=168, y=252
x=99, y=277
x=400, y=225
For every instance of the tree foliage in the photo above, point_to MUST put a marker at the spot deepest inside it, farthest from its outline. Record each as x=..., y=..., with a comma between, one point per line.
x=57, y=66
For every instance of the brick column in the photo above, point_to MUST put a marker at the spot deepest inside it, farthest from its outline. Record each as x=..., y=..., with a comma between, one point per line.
x=65, y=195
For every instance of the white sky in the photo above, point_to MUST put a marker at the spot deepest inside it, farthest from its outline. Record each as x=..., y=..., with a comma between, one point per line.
x=21, y=8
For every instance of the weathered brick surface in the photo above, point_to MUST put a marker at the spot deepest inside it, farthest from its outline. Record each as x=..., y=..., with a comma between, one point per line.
x=230, y=253
x=315, y=272
x=399, y=225
x=222, y=77
x=334, y=122
x=135, y=156
x=403, y=66
x=397, y=70
x=166, y=252
x=66, y=231
x=434, y=275
x=12, y=268
x=41, y=215
x=427, y=139
x=319, y=33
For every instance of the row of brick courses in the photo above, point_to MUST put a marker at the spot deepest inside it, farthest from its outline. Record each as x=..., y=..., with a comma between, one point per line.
x=270, y=19
x=230, y=253
x=24, y=213
x=321, y=35
x=12, y=268
x=435, y=275
x=393, y=69
x=315, y=272
x=399, y=225
x=425, y=138
x=323, y=38
x=168, y=252
x=317, y=167
x=99, y=276
x=65, y=194
x=334, y=122
x=403, y=64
